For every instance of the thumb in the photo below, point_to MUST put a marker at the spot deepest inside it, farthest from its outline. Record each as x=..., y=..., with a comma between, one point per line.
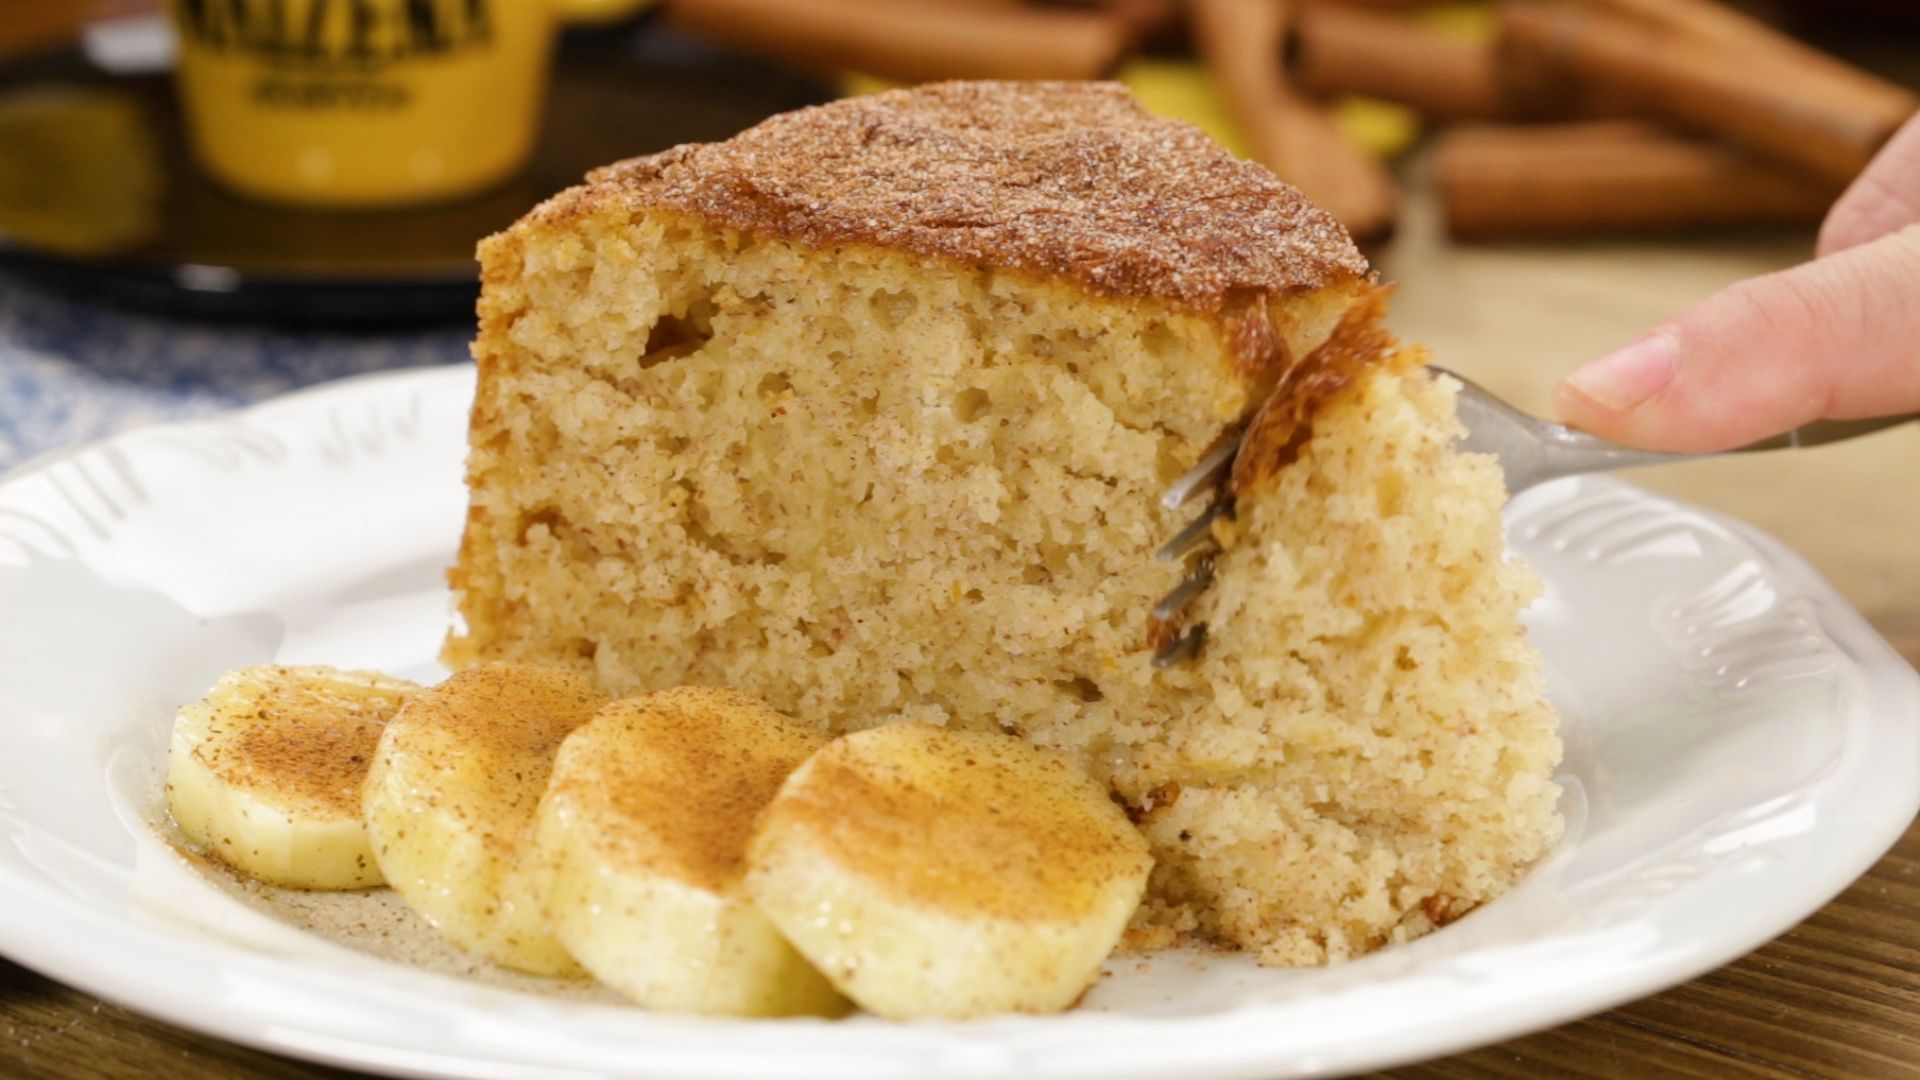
x=1836, y=338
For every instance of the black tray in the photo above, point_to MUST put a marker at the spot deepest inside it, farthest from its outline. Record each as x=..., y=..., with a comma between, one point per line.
x=208, y=252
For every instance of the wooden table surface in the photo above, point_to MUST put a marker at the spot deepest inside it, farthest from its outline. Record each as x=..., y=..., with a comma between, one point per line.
x=1838, y=996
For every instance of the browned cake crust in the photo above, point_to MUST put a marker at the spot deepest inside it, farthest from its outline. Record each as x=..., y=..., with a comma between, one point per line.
x=1074, y=180
x=1281, y=426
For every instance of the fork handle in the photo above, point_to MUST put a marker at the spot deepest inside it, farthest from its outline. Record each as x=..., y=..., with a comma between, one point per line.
x=1821, y=432
x=1568, y=452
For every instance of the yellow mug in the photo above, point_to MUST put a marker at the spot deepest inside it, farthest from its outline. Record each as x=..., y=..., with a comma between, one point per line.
x=367, y=103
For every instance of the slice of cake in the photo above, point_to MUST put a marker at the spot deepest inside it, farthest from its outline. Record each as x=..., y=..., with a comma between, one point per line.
x=865, y=412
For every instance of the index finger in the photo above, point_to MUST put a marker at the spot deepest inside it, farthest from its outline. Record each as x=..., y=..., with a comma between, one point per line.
x=1884, y=198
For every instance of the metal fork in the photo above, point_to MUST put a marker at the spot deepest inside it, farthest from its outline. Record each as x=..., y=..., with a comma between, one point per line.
x=1530, y=451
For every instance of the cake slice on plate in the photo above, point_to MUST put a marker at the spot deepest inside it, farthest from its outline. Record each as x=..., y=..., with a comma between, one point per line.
x=865, y=412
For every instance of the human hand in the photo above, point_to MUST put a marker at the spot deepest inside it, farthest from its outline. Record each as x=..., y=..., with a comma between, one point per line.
x=1834, y=338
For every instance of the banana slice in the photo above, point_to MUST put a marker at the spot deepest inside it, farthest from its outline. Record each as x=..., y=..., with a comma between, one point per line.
x=937, y=873
x=646, y=822
x=264, y=772
x=450, y=801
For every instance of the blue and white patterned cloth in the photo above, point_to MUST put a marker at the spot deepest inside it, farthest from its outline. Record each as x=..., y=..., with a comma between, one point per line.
x=72, y=371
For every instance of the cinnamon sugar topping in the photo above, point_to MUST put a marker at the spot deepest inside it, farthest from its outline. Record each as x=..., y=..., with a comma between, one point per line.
x=1068, y=179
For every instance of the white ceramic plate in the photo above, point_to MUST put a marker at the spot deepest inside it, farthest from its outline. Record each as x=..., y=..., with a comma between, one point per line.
x=1740, y=746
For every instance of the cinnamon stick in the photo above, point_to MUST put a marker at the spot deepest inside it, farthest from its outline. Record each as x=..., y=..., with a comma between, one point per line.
x=1610, y=176
x=1149, y=20
x=1636, y=66
x=915, y=42
x=32, y=27
x=1335, y=49
x=1715, y=21
x=1382, y=5
x=1293, y=136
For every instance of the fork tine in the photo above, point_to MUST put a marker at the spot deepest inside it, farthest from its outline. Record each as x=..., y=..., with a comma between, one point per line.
x=1209, y=474
x=1197, y=530
x=1181, y=649
x=1182, y=594
x=1201, y=476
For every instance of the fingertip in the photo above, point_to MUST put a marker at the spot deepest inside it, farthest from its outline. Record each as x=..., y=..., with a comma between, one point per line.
x=1881, y=200
x=1854, y=220
x=1576, y=409
x=1632, y=396
x=1579, y=410
x=1621, y=380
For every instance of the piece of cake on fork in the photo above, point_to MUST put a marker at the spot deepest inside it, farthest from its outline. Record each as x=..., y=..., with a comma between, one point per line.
x=866, y=411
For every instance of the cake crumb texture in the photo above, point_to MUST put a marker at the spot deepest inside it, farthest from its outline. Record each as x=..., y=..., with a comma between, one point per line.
x=870, y=482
